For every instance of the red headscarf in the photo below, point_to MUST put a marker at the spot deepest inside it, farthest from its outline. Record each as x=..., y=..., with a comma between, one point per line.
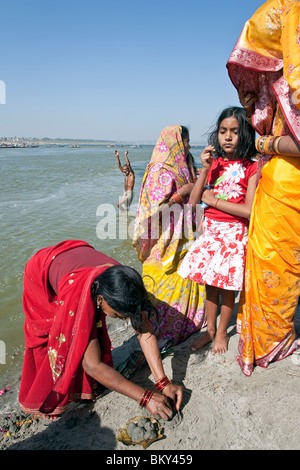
x=57, y=332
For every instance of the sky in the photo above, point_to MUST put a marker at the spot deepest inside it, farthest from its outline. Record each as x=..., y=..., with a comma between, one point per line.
x=116, y=70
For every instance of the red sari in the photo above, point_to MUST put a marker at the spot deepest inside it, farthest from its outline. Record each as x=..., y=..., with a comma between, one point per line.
x=57, y=331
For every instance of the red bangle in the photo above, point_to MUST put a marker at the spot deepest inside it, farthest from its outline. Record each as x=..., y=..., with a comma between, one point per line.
x=146, y=398
x=162, y=383
x=176, y=198
x=216, y=202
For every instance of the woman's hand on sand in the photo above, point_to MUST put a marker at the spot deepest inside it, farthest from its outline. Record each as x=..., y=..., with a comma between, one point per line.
x=160, y=406
x=175, y=392
x=207, y=157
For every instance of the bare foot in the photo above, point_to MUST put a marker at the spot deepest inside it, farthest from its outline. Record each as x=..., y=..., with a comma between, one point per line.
x=220, y=345
x=202, y=341
x=50, y=417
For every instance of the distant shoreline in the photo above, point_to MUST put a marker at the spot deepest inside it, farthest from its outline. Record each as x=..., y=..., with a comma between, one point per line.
x=67, y=143
x=22, y=142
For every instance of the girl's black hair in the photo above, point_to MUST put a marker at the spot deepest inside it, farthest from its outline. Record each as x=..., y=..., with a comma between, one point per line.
x=123, y=289
x=246, y=143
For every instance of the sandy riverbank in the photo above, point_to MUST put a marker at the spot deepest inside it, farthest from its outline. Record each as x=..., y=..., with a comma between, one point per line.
x=222, y=409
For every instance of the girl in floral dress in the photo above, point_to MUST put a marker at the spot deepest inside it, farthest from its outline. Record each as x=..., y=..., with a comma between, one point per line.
x=217, y=257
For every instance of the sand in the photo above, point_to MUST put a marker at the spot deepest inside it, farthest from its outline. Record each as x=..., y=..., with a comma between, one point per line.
x=222, y=408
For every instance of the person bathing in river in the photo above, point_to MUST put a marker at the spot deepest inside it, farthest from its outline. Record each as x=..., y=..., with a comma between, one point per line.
x=129, y=180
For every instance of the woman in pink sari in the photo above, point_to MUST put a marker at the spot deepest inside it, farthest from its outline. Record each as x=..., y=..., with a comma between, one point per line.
x=164, y=232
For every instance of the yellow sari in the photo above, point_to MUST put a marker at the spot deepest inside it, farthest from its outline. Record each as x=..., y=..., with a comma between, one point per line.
x=266, y=60
x=161, y=242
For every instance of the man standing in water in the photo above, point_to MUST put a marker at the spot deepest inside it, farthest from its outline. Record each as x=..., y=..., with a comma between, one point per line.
x=128, y=173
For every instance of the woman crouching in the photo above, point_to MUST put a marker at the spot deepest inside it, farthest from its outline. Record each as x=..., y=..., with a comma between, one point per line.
x=69, y=289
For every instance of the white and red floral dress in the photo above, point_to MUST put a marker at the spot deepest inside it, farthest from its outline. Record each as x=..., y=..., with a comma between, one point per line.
x=217, y=257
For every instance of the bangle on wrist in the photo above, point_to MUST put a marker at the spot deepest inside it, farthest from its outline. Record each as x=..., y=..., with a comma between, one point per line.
x=162, y=383
x=176, y=198
x=275, y=145
x=146, y=398
x=218, y=200
x=268, y=144
x=259, y=144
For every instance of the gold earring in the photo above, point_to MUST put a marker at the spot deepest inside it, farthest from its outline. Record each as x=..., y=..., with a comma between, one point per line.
x=99, y=322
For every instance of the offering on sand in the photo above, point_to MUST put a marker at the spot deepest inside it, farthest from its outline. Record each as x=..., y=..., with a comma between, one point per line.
x=141, y=430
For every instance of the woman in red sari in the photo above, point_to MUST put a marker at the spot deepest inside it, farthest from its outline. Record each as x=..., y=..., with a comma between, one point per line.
x=69, y=289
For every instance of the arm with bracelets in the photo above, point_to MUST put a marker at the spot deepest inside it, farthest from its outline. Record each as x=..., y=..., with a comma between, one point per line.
x=278, y=145
x=163, y=384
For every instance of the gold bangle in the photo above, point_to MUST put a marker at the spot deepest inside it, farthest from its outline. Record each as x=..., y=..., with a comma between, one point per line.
x=275, y=145
x=268, y=145
x=259, y=144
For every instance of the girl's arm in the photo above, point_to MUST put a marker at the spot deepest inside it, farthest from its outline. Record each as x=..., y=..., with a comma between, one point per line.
x=196, y=193
x=152, y=354
x=239, y=210
x=110, y=378
x=206, y=158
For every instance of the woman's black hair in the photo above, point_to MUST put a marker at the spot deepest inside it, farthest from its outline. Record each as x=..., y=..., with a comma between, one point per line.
x=246, y=143
x=123, y=289
x=185, y=134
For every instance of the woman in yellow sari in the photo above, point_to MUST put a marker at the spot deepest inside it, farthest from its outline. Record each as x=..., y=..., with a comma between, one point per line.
x=163, y=234
x=265, y=68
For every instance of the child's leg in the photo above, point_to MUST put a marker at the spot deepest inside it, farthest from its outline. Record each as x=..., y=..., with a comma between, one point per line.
x=211, y=310
x=227, y=305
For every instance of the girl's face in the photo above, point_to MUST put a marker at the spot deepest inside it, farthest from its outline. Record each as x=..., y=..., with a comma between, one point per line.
x=228, y=136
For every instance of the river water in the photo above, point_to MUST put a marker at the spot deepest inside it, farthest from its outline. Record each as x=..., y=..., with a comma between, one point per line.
x=51, y=194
